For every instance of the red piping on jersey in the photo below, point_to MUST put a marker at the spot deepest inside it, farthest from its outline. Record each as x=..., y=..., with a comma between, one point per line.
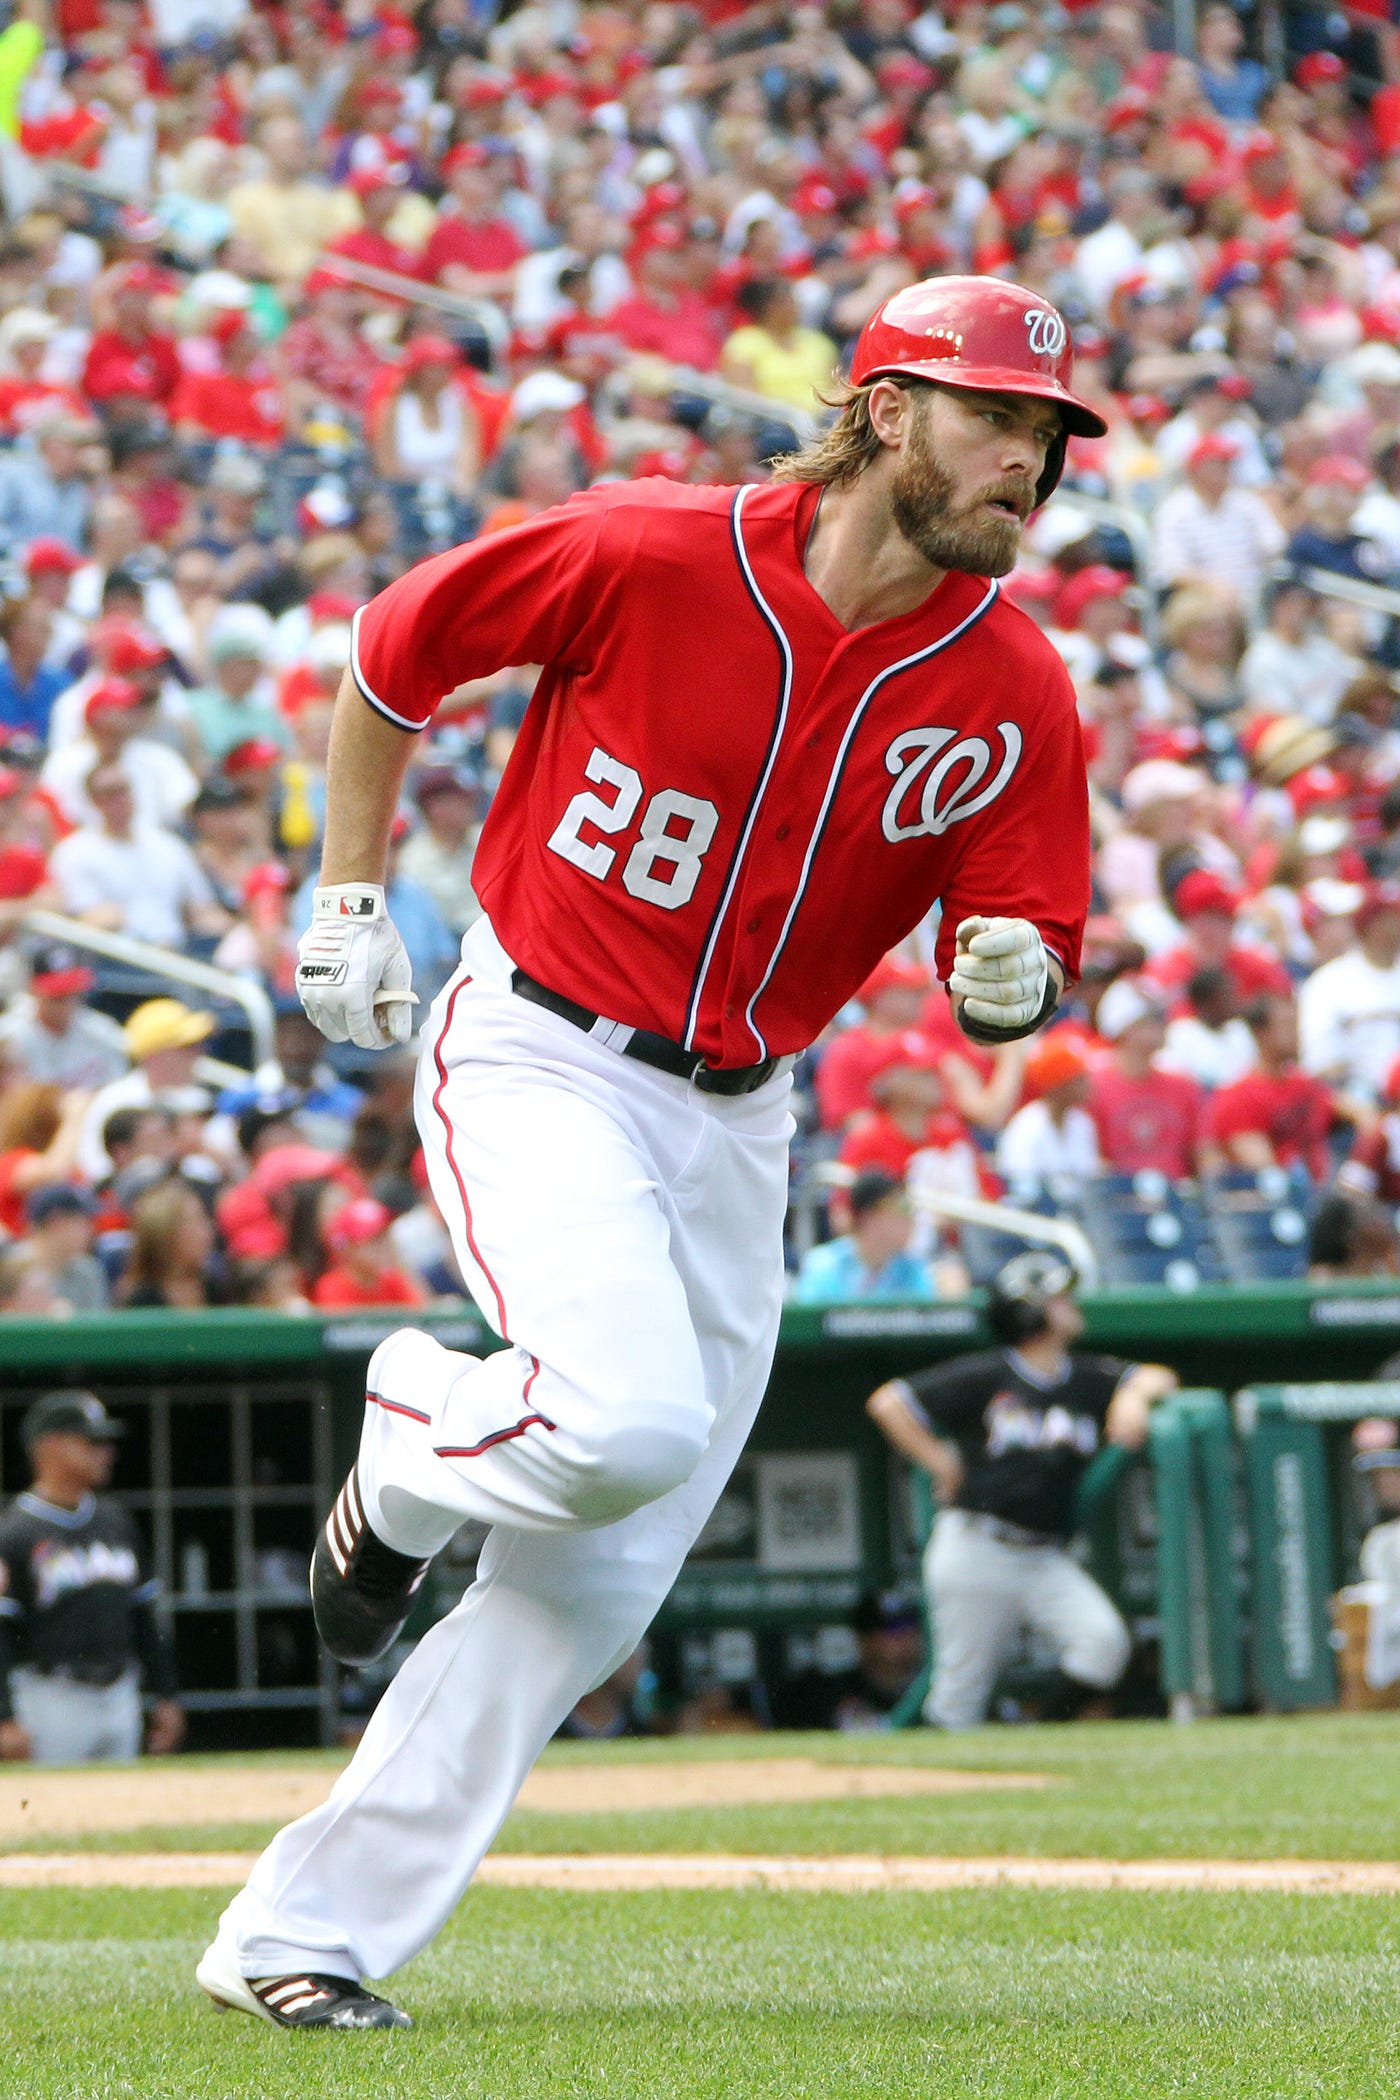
x=438, y=1091
x=396, y=1407
x=500, y=1436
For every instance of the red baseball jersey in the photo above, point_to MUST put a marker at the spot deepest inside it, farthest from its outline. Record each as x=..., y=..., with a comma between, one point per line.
x=723, y=808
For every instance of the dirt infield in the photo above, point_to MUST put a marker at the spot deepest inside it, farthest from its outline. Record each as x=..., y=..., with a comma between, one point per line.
x=850, y=1875
x=37, y=1804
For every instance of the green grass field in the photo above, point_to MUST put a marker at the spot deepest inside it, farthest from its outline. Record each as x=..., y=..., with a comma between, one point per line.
x=700, y=1996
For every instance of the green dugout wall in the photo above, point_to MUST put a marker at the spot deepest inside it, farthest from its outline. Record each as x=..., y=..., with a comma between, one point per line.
x=242, y=1423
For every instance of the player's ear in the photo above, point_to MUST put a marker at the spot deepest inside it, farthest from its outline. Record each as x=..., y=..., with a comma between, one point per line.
x=890, y=407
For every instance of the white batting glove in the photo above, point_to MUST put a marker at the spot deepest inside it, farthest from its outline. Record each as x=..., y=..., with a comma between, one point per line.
x=353, y=976
x=1001, y=971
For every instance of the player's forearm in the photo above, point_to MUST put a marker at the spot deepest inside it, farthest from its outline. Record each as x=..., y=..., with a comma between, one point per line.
x=364, y=772
x=1126, y=1422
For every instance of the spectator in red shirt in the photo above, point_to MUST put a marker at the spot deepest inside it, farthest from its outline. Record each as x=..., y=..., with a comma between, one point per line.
x=323, y=354
x=131, y=366
x=1206, y=907
x=893, y=997
x=25, y=335
x=912, y=1131
x=664, y=316
x=1144, y=1117
x=380, y=192
x=240, y=400
x=363, y=1271
x=24, y=874
x=39, y=1130
x=1276, y=1116
x=1373, y=1168
x=472, y=249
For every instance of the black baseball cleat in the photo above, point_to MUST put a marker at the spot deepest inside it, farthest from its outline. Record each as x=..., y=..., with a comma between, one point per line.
x=295, y=2001
x=361, y=1589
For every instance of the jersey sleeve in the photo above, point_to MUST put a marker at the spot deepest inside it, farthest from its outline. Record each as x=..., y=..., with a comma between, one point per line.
x=522, y=596
x=1027, y=855
x=951, y=1398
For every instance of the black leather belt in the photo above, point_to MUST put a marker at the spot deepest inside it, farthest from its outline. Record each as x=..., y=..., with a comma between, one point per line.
x=648, y=1049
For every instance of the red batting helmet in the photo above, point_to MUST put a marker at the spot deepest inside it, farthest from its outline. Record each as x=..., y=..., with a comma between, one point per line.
x=985, y=333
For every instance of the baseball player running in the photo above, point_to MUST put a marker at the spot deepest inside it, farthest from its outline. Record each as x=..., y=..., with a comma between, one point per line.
x=774, y=726
x=1006, y=1437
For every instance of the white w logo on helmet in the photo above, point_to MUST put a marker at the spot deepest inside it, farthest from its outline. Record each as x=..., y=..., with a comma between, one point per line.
x=1045, y=331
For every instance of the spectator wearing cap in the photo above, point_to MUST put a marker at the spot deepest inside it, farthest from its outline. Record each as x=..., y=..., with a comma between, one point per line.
x=1164, y=806
x=26, y=391
x=118, y=647
x=1207, y=909
x=772, y=354
x=1214, y=406
x=428, y=432
x=666, y=317
x=58, y=1234
x=115, y=712
x=285, y=215
x=241, y=400
x=325, y=359
x=1050, y=1144
x=25, y=882
x=1145, y=1117
x=29, y=682
x=1206, y=1039
x=1349, y=1010
x=232, y=529
x=438, y=853
x=1210, y=531
x=49, y=568
x=871, y=1259
x=1292, y=666
x=1327, y=538
x=1087, y=616
x=46, y=491
x=364, y=1269
x=78, y=1632
x=50, y=1033
x=379, y=192
x=1276, y=1115
x=239, y=704
x=129, y=877
x=132, y=365
x=912, y=1129
x=892, y=999
x=472, y=249
x=163, y=1039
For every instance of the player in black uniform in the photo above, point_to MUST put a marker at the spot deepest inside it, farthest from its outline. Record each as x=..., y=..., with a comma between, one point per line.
x=77, y=1627
x=1006, y=1436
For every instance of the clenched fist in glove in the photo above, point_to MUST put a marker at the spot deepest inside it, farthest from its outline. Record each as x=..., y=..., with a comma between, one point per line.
x=1002, y=973
x=354, y=977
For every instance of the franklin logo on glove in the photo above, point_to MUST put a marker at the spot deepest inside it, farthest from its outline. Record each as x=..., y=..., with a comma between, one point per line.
x=353, y=976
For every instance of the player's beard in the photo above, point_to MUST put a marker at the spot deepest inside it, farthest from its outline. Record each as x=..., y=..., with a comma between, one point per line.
x=921, y=502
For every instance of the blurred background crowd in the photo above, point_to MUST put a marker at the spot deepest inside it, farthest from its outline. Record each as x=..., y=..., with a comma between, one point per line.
x=294, y=295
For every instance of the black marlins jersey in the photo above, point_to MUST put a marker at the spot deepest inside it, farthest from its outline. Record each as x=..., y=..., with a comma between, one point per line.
x=1024, y=1440
x=72, y=1586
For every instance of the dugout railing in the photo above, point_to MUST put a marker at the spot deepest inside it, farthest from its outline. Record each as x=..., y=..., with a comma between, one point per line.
x=244, y=1421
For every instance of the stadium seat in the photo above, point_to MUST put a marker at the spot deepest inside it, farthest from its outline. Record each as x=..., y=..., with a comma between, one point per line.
x=1145, y=1229
x=1260, y=1222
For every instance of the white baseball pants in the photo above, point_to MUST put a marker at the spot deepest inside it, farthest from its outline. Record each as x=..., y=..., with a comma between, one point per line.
x=984, y=1594
x=625, y=1233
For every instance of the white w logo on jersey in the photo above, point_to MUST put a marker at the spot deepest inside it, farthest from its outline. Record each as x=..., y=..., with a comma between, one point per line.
x=911, y=758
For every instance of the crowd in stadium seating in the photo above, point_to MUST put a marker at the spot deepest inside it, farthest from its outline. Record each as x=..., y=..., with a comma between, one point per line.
x=292, y=296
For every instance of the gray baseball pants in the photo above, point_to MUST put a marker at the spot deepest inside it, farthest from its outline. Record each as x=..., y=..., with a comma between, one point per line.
x=985, y=1594
x=70, y=1723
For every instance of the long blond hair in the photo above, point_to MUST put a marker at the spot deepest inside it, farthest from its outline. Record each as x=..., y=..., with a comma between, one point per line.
x=838, y=455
